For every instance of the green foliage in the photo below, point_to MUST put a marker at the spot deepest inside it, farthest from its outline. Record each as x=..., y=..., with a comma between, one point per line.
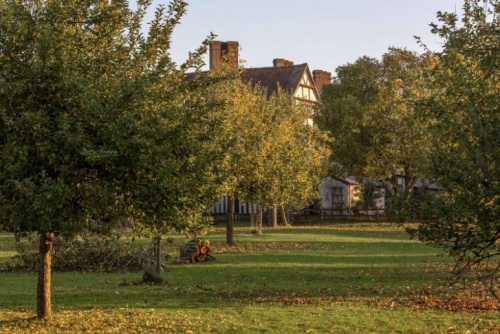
x=275, y=157
x=369, y=112
x=87, y=252
x=368, y=193
x=95, y=124
x=465, y=159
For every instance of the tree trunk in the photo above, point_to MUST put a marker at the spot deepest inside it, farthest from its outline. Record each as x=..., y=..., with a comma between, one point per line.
x=230, y=221
x=43, y=305
x=17, y=236
x=259, y=216
x=272, y=219
x=283, y=215
x=157, y=251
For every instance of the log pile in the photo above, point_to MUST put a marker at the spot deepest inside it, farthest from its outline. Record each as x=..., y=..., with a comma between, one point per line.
x=195, y=251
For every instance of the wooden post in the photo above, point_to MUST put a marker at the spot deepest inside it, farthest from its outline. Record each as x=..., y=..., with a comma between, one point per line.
x=43, y=303
x=230, y=221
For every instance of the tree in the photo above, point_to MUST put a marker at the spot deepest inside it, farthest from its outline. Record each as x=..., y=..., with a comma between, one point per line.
x=96, y=124
x=465, y=123
x=289, y=159
x=274, y=158
x=241, y=109
x=369, y=112
x=368, y=195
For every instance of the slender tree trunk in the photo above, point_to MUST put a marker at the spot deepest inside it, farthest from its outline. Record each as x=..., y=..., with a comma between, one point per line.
x=272, y=219
x=290, y=216
x=17, y=236
x=230, y=221
x=283, y=215
x=259, y=216
x=157, y=251
x=43, y=304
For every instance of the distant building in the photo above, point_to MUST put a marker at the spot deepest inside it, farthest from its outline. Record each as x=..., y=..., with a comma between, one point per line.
x=296, y=80
x=338, y=195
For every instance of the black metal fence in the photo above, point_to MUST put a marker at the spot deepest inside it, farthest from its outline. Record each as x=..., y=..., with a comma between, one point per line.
x=315, y=215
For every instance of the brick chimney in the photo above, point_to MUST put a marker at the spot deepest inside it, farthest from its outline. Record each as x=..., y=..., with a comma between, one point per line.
x=321, y=78
x=224, y=51
x=280, y=62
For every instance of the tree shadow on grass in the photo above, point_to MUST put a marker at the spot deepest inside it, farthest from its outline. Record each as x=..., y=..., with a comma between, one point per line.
x=207, y=286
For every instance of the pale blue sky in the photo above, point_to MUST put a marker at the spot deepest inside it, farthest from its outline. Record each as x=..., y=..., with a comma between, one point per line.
x=323, y=33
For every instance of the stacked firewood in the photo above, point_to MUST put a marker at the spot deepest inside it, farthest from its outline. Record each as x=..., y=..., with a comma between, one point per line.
x=195, y=251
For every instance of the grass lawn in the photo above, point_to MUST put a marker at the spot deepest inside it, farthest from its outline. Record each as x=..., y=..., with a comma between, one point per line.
x=306, y=279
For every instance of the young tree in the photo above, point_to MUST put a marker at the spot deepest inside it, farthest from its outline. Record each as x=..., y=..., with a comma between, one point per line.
x=298, y=157
x=465, y=158
x=96, y=124
x=289, y=159
x=275, y=159
x=369, y=112
x=241, y=109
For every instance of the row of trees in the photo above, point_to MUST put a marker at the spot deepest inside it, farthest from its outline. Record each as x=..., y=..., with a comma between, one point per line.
x=276, y=159
x=436, y=116
x=98, y=124
x=369, y=110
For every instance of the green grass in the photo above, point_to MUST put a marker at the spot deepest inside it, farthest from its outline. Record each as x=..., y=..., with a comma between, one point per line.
x=346, y=277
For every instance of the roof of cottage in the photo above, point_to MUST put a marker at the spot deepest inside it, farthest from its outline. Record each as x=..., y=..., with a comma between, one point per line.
x=286, y=77
x=348, y=181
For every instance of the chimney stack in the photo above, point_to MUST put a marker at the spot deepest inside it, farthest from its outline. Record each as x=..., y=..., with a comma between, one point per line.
x=224, y=51
x=321, y=78
x=280, y=62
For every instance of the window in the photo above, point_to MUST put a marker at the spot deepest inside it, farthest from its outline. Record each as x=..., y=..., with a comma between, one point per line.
x=337, y=198
x=309, y=109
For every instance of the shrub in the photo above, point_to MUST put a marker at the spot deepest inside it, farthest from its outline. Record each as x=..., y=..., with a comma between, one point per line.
x=87, y=252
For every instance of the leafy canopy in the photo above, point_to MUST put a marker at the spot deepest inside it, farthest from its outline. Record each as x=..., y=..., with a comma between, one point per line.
x=275, y=158
x=465, y=159
x=369, y=112
x=96, y=123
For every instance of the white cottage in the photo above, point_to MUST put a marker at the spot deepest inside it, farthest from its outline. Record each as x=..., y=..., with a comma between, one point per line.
x=338, y=195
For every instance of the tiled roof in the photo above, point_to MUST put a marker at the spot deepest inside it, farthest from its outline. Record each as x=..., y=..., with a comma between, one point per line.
x=287, y=77
x=192, y=75
x=348, y=181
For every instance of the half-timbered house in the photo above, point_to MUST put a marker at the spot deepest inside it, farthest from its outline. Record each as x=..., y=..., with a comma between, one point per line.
x=298, y=80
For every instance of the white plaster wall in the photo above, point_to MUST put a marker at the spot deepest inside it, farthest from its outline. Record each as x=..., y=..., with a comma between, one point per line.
x=326, y=192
